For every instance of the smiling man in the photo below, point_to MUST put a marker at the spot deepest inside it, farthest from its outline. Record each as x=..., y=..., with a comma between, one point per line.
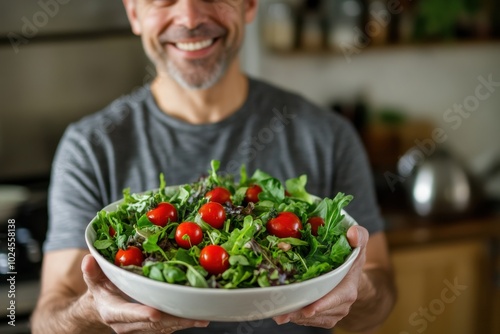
x=202, y=107
x=194, y=46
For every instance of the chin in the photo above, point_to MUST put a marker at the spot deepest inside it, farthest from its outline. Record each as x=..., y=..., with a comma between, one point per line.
x=199, y=79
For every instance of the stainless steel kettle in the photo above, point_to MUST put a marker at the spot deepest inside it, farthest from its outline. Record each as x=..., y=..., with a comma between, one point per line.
x=438, y=184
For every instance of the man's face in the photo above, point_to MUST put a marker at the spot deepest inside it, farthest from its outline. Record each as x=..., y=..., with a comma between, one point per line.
x=193, y=41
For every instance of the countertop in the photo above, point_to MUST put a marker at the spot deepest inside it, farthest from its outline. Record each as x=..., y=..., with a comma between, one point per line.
x=407, y=229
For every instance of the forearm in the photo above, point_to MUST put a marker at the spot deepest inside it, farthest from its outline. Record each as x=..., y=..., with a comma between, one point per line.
x=376, y=298
x=63, y=314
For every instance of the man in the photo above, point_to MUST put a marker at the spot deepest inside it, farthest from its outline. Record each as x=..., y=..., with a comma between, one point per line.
x=201, y=107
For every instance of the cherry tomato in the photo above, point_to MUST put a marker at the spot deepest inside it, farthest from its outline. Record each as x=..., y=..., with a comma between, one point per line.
x=162, y=214
x=285, y=225
x=219, y=194
x=131, y=256
x=193, y=232
x=213, y=213
x=112, y=231
x=214, y=259
x=315, y=222
x=252, y=194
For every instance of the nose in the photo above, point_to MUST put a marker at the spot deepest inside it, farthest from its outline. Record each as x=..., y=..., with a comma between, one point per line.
x=189, y=13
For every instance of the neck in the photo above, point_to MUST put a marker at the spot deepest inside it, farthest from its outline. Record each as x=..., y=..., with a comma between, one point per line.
x=202, y=106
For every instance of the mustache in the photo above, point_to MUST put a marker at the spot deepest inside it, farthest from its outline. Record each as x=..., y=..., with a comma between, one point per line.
x=178, y=33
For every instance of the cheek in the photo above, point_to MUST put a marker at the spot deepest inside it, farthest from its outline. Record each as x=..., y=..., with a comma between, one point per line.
x=153, y=25
x=233, y=20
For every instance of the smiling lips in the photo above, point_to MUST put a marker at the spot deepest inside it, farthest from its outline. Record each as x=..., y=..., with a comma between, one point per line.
x=195, y=46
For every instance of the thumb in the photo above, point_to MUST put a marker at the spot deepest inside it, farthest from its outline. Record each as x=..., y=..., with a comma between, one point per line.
x=92, y=273
x=357, y=236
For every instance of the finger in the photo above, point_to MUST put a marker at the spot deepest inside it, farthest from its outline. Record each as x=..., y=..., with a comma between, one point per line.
x=171, y=321
x=357, y=236
x=283, y=319
x=158, y=327
x=118, y=310
x=92, y=273
x=339, y=299
x=324, y=321
x=345, y=293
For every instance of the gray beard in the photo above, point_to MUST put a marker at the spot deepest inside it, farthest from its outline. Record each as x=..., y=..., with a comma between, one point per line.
x=198, y=80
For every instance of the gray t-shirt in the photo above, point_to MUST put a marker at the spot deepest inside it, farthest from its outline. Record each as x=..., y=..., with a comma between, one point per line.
x=131, y=141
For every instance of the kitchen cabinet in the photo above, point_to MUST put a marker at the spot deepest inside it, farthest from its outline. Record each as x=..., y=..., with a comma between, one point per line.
x=444, y=275
x=441, y=289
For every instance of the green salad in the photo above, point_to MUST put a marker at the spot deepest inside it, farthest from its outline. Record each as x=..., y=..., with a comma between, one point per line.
x=219, y=233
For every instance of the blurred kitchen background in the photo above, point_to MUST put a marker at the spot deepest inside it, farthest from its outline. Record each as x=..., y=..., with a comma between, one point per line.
x=420, y=80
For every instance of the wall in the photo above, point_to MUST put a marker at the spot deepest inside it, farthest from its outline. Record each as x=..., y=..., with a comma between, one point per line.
x=74, y=60
x=421, y=81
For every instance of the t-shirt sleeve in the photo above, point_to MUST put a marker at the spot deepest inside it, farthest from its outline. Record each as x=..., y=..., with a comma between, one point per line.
x=73, y=193
x=353, y=176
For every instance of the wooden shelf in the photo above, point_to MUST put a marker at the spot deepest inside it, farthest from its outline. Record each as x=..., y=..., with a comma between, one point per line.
x=389, y=48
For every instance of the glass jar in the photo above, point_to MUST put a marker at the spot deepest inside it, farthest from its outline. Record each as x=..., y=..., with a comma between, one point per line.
x=344, y=16
x=279, y=26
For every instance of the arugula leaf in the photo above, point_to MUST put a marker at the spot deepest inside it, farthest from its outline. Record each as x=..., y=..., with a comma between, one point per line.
x=259, y=175
x=321, y=209
x=156, y=274
x=297, y=188
x=215, y=164
x=173, y=274
x=243, y=176
x=294, y=241
x=150, y=245
x=195, y=277
x=272, y=190
x=316, y=269
x=237, y=276
x=184, y=255
x=194, y=274
x=163, y=184
x=103, y=244
x=239, y=237
x=144, y=222
x=340, y=250
x=238, y=260
x=239, y=195
x=333, y=217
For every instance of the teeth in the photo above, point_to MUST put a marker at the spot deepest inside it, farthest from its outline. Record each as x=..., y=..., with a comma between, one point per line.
x=194, y=46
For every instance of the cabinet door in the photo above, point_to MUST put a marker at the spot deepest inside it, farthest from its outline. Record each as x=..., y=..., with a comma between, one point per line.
x=441, y=289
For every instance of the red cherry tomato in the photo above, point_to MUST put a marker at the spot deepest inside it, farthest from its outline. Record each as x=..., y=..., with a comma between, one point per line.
x=130, y=256
x=219, y=194
x=112, y=231
x=285, y=225
x=214, y=259
x=162, y=214
x=193, y=232
x=315, y=222
x=252, y=194
x=213, y=213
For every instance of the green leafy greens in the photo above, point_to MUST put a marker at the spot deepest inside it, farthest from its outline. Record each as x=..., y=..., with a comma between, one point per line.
x=256, y=258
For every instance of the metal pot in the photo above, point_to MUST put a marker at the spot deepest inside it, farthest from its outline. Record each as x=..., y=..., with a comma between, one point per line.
x=438, y=184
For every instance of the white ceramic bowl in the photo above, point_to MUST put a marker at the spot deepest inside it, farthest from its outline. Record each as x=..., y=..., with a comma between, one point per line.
x=247, y=304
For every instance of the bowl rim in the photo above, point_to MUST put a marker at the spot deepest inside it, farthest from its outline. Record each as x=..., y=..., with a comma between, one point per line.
x=348, y=262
